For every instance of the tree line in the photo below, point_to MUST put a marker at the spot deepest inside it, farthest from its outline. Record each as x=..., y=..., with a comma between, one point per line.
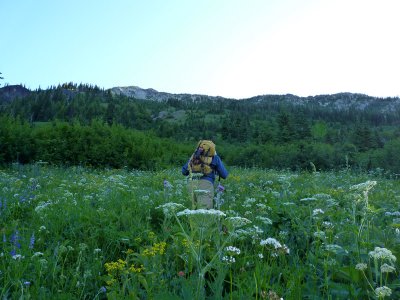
x=83, y=124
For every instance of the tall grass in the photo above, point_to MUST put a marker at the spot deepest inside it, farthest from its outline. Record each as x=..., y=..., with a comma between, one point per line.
x=77, y=233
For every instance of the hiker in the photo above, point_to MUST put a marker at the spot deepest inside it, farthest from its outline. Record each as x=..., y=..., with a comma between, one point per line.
x=202, y=167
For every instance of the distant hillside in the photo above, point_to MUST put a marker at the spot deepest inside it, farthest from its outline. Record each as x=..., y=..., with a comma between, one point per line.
x=10, y=92
x=336, y=102
x=270, y=131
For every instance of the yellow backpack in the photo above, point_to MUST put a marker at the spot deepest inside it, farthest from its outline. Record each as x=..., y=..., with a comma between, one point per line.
x=202, y=157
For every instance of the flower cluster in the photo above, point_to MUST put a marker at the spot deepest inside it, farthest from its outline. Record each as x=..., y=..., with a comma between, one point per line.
x=361, y=266
x=333, y=248
x=382, y=253
x=265, y=220
x=238, y=221
x=385, y=268
x=320, y=235
x=228, y=259
x=318, y=211
x=252, y=232
x=189, y=212
x=395, y=213
x=115, y=266
x=136, y=269
x=157, y=248
x=170, y=208
x=232, y=250
x=383, y=291
x=276, y=246
x=363, y=187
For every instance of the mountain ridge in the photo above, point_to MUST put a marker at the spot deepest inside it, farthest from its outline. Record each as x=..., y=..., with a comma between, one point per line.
x=338, y=101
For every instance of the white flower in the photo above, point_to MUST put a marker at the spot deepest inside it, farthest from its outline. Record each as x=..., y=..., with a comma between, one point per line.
x=364, y=187
x=82, y=247
x=238, y=221
x=317, y=211
x=18, y=257
x=260, y=255
x=188, y=212
x=228, y=259
x=333, y=248
x=383, y=291
x=271, y=241
x=322, y=196
x=252, y=232
x=283, y=234
x=36, y=254
x=382, y=253
x=261, y=205
x=233, y=250
x=43, y=262
x=42, y=205
x=308, y=199
x=170, y=208
x=327, y=224
x=265, y=220
x=385, y=268
x=395, y=213
x=320, y=235
x=361, y=266
x=278, y=247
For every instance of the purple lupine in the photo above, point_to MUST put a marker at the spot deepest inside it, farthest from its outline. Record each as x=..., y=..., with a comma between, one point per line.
x=220, y=188
x=167, y=184
x=15, y=239
x=32, y=241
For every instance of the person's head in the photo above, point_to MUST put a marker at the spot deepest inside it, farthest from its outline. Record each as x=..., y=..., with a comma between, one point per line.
x=206, y=147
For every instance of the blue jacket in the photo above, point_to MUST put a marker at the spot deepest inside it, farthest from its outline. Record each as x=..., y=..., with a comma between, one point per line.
x=217, y=166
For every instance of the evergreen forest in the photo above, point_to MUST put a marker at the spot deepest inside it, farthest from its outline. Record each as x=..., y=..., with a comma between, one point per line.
x=81, y=124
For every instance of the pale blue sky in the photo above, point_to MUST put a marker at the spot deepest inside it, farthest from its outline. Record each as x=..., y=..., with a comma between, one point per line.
x=226, y=48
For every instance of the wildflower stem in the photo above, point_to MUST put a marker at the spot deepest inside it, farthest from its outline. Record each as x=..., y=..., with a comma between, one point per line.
x=230, y=277
x=365, y=276
x=255, y=280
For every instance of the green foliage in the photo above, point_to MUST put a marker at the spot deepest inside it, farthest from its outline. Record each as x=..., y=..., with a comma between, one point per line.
x=80, y=233
x=96, y=145
x=94, y=127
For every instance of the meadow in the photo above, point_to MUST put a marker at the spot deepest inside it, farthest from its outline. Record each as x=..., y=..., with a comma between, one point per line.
x=80, y=233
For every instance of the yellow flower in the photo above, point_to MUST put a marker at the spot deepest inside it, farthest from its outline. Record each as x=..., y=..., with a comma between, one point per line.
x=157, y=248
x=149, y=252
x=160, y=247
x=134, y=269
x=115, y=266
x=111, y=281
x=185, y=243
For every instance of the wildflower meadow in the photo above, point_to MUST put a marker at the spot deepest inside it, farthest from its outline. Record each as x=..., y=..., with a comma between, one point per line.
x=80, y=233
